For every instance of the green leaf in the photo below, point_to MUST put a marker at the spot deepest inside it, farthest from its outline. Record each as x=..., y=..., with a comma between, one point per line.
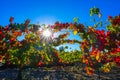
x=76, y=19
x=94, y=11
x=101, y=24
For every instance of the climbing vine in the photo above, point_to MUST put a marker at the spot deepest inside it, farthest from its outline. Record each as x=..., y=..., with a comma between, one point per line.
x=99, y=49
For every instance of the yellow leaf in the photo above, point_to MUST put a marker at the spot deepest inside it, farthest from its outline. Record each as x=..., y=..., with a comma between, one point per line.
x=64, y=55
x=48, y=59
x=75, y=32
x=18, y=62
x=106, y=70
x=27, y=36
x=83, y=61
x=55, y=30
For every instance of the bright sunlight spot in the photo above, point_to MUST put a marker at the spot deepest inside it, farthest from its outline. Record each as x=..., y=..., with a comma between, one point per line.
x=47, y=33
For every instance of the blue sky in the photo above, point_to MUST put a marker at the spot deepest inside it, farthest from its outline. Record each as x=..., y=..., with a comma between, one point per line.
x=50, y=11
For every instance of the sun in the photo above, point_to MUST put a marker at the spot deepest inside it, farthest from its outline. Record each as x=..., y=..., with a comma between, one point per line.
x=47, y=33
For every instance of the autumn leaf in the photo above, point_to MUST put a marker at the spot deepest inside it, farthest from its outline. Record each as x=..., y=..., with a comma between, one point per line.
x=0, y=60
x=97, y=56
x=60, y=60
x=19, y=62
x=11, y=19
x=106, y=69
x=75, y=32
x=0, y=33
x=89, y=70
x=40, y=63
x=71, y=42
x=13, y=39
x=56, y=30
x=26, y=30
x=71, y=26
x=16, y=34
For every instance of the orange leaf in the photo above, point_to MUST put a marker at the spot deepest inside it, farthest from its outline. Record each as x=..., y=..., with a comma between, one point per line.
x=89, y=70
x=71, y=42
x=15, y=34
x=0, y=60
x=60, y=60
x=71, y=26
x=98, y=56
x=13, y=39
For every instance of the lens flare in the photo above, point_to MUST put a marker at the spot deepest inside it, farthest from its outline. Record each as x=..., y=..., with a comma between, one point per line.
x=47, y=33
